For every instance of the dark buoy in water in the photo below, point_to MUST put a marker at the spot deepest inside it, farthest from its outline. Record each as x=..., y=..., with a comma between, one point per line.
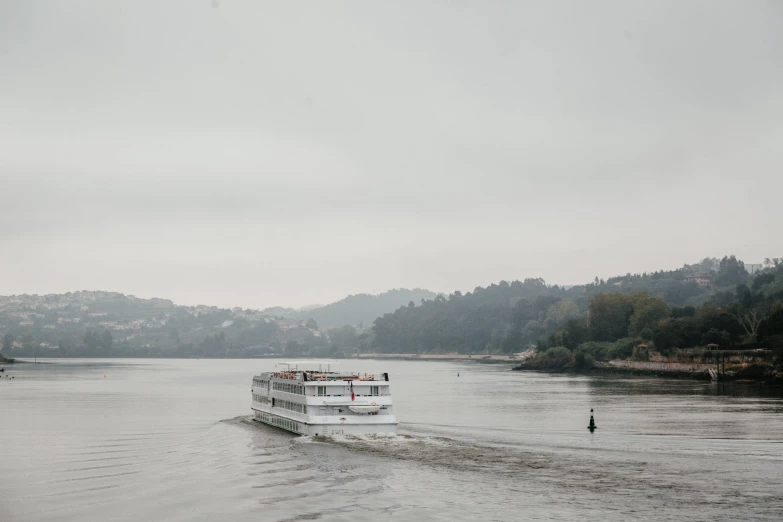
x=457, y=374
x=592, y=427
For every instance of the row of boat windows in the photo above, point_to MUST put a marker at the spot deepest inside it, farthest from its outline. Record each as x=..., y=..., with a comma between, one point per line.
x=264, y=399
x=290, y=405
x=299, y=389
x=274, y=420
x=279, y=403
x=288, y=388
x=280, y=386
x=322, y=391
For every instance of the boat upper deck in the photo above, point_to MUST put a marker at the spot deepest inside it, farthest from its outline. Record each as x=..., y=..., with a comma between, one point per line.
x=327, y=376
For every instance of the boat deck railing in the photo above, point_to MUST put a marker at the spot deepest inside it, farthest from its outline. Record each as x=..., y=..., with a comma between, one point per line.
x=329, y=376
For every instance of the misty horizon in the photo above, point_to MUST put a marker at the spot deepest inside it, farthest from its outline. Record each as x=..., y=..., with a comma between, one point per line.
x=258, y=155
x=310, y=306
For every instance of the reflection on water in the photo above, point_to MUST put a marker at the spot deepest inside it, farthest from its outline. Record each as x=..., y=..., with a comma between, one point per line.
x=172, y=440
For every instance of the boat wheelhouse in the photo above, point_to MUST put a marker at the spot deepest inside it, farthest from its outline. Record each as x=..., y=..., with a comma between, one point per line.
x=323, y=402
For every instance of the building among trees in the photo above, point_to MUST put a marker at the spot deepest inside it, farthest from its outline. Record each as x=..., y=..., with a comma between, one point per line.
x=700, y=278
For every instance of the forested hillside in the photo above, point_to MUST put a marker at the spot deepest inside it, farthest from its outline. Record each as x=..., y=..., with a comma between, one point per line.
x=728, y=306
x=711, y=302
x=103, y=324
x=111, y=324
x=356, y=310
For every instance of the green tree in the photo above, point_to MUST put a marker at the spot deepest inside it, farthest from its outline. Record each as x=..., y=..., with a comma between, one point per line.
x=106, y=342
x=761, y=280
x=91, y=342
x=708, y=264
x=65, y=347
x=521, y=313
x=576, y=333
x=174, y=336
x=344, y=337
x=8, y=342
x=647, y=313
x=751, y=318
x=292, y=348
x=731, y=272
x=711, y=336
x=744, y=295
x=723, y=299
x=559, y=313
x=678, y=292
x=608, y=316
x=27, y=342
x=710, y=317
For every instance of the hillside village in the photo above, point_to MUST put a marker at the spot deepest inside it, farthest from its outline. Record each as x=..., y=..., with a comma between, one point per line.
x=99, y=323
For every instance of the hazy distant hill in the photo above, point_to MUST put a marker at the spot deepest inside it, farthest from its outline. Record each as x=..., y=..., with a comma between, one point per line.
x=355, y=310
x=100, y=324
x=279, y=311
x=714, y=301
x=363, y=309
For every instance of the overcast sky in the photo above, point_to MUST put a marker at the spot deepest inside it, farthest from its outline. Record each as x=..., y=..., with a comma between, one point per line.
x=287, y=153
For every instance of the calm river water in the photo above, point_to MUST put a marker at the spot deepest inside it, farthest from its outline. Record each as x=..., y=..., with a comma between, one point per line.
x=171, y=440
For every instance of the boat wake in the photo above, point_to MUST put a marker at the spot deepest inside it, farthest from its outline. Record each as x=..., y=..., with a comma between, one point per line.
x=436, y=451
x=356, y=458
x=244, y=421
x=423, y=449
x=373, y=439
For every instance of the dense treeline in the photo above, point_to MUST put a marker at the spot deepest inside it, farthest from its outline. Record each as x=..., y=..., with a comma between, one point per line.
x=181, y=335
x=662, y=308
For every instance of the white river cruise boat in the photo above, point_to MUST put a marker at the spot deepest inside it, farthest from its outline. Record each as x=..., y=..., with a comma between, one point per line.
x=323, y=402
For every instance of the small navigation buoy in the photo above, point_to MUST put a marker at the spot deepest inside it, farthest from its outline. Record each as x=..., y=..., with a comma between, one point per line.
x=457, y=374
x=104, y=375
x=592, y=427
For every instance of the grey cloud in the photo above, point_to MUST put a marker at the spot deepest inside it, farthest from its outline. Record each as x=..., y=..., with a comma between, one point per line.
x=341, y=147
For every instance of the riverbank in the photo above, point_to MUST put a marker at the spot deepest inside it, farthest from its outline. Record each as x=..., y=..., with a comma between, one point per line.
x=508, y=359
x=760, y=373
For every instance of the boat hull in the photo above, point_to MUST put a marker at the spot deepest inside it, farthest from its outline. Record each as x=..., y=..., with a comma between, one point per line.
x=327, y=428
